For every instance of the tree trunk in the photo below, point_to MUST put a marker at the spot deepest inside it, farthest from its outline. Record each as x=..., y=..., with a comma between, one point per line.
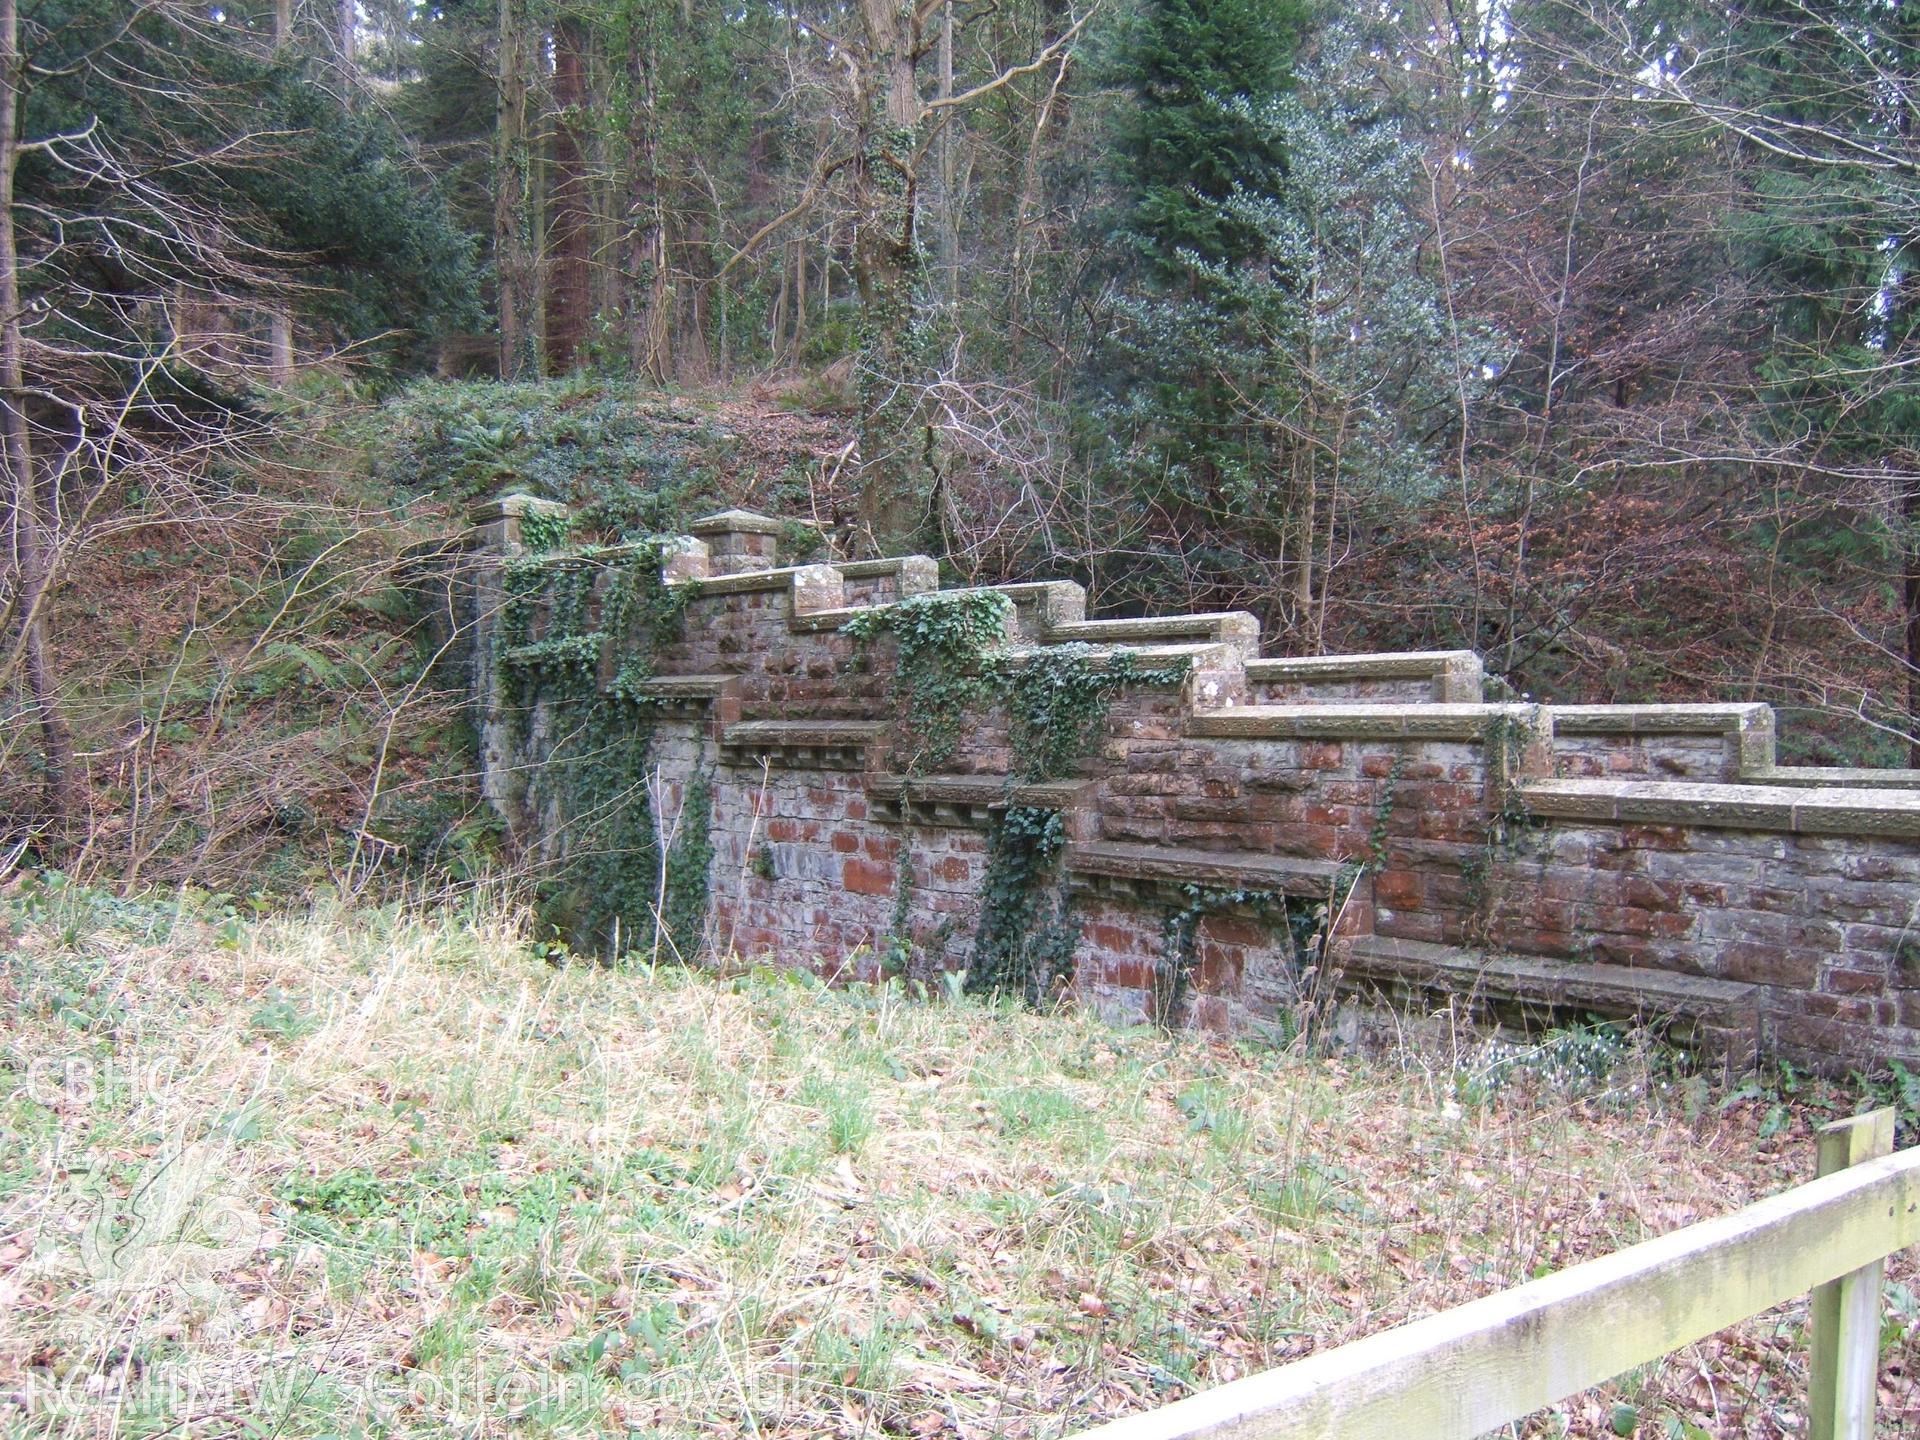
x=513, y=257
x=33, y=544
x=570, y=198
x=280, y=319
x=649, y=301
x=887, y=268
x=346, y=20
x=1910, y=514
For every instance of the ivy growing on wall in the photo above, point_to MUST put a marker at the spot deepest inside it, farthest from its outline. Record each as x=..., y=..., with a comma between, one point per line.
x=1058, y=699
x=940, y=674
x=1025, y=943
x=543, y=530
x=1180, y=940
x=1512, y=830
x=626, y=890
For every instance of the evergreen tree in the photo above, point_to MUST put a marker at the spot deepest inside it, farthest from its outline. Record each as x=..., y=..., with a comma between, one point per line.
x=1272, y=368
x=1179, y=150
x=1169, y=431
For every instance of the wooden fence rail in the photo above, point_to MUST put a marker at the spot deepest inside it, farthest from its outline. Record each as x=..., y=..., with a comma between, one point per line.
x=1469, y=1370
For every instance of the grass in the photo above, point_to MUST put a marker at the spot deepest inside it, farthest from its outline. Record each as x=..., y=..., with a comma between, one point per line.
x=383, y=1172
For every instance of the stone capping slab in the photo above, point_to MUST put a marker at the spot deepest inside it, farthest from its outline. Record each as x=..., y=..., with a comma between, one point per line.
x=515, y=506
x=806, y=744
x=1171, y=866
x=1835, y=777
x=1735, y=807
x=744, y=522
x=912, y=574
x=1060, y=602
x=1201, y=653
x=1238, y=628
x=1407, y=721
x=834, y=616
x=748, y=582
x=1659, y=719
x=1566, y=984
x=1457, y=675
x=831, y=618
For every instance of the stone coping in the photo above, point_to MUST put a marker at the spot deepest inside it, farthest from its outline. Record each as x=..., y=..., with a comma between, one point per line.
x=747, y=582
x=915, y=574
x=1659, y=719
x=1377, y=665
x=1236, y=627
x=744, y=522
x=1200, y=653
x=1216, y=869
x=1836, y=777
x=1060, y=602
x=517, y=505
x=834, y=617
x=1404, y=721
x=1854, y=811
x=1561, y=984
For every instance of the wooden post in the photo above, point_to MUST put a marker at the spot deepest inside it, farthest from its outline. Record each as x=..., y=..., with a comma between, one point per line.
x=1845, y=1368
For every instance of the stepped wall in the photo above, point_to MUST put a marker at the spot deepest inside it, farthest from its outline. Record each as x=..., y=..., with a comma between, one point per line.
x=1322, y=827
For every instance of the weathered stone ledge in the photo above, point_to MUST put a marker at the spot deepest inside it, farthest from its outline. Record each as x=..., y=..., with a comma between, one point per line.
x=1457, y=675
x=1055, y=602
x=1727, y=1010
x=745, y=522
x=803, y=744
x=1659, y=719
x=1409, y=721
x=1199, y=654
x=1836, y=777
x=1236, y=628
x=1734, y=806
x=830, y=619
x=705, y=688
x=1168, y=867
x=911, y=574
x=749, y=582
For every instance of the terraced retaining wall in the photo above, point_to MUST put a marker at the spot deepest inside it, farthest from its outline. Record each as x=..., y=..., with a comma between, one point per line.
x=1515, y=860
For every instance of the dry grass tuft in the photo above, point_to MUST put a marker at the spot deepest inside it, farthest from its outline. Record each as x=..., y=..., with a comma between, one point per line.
x=381, y=1172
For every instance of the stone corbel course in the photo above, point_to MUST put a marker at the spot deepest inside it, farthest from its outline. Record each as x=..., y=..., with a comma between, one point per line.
x=1534, y=863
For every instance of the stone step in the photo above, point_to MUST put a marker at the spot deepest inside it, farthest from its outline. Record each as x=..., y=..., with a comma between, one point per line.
x=1441, y=676
x=1172, y=868
x=1723, y=1014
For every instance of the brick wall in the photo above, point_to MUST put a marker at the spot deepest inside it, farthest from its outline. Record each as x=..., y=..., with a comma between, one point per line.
x=1523, y=862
